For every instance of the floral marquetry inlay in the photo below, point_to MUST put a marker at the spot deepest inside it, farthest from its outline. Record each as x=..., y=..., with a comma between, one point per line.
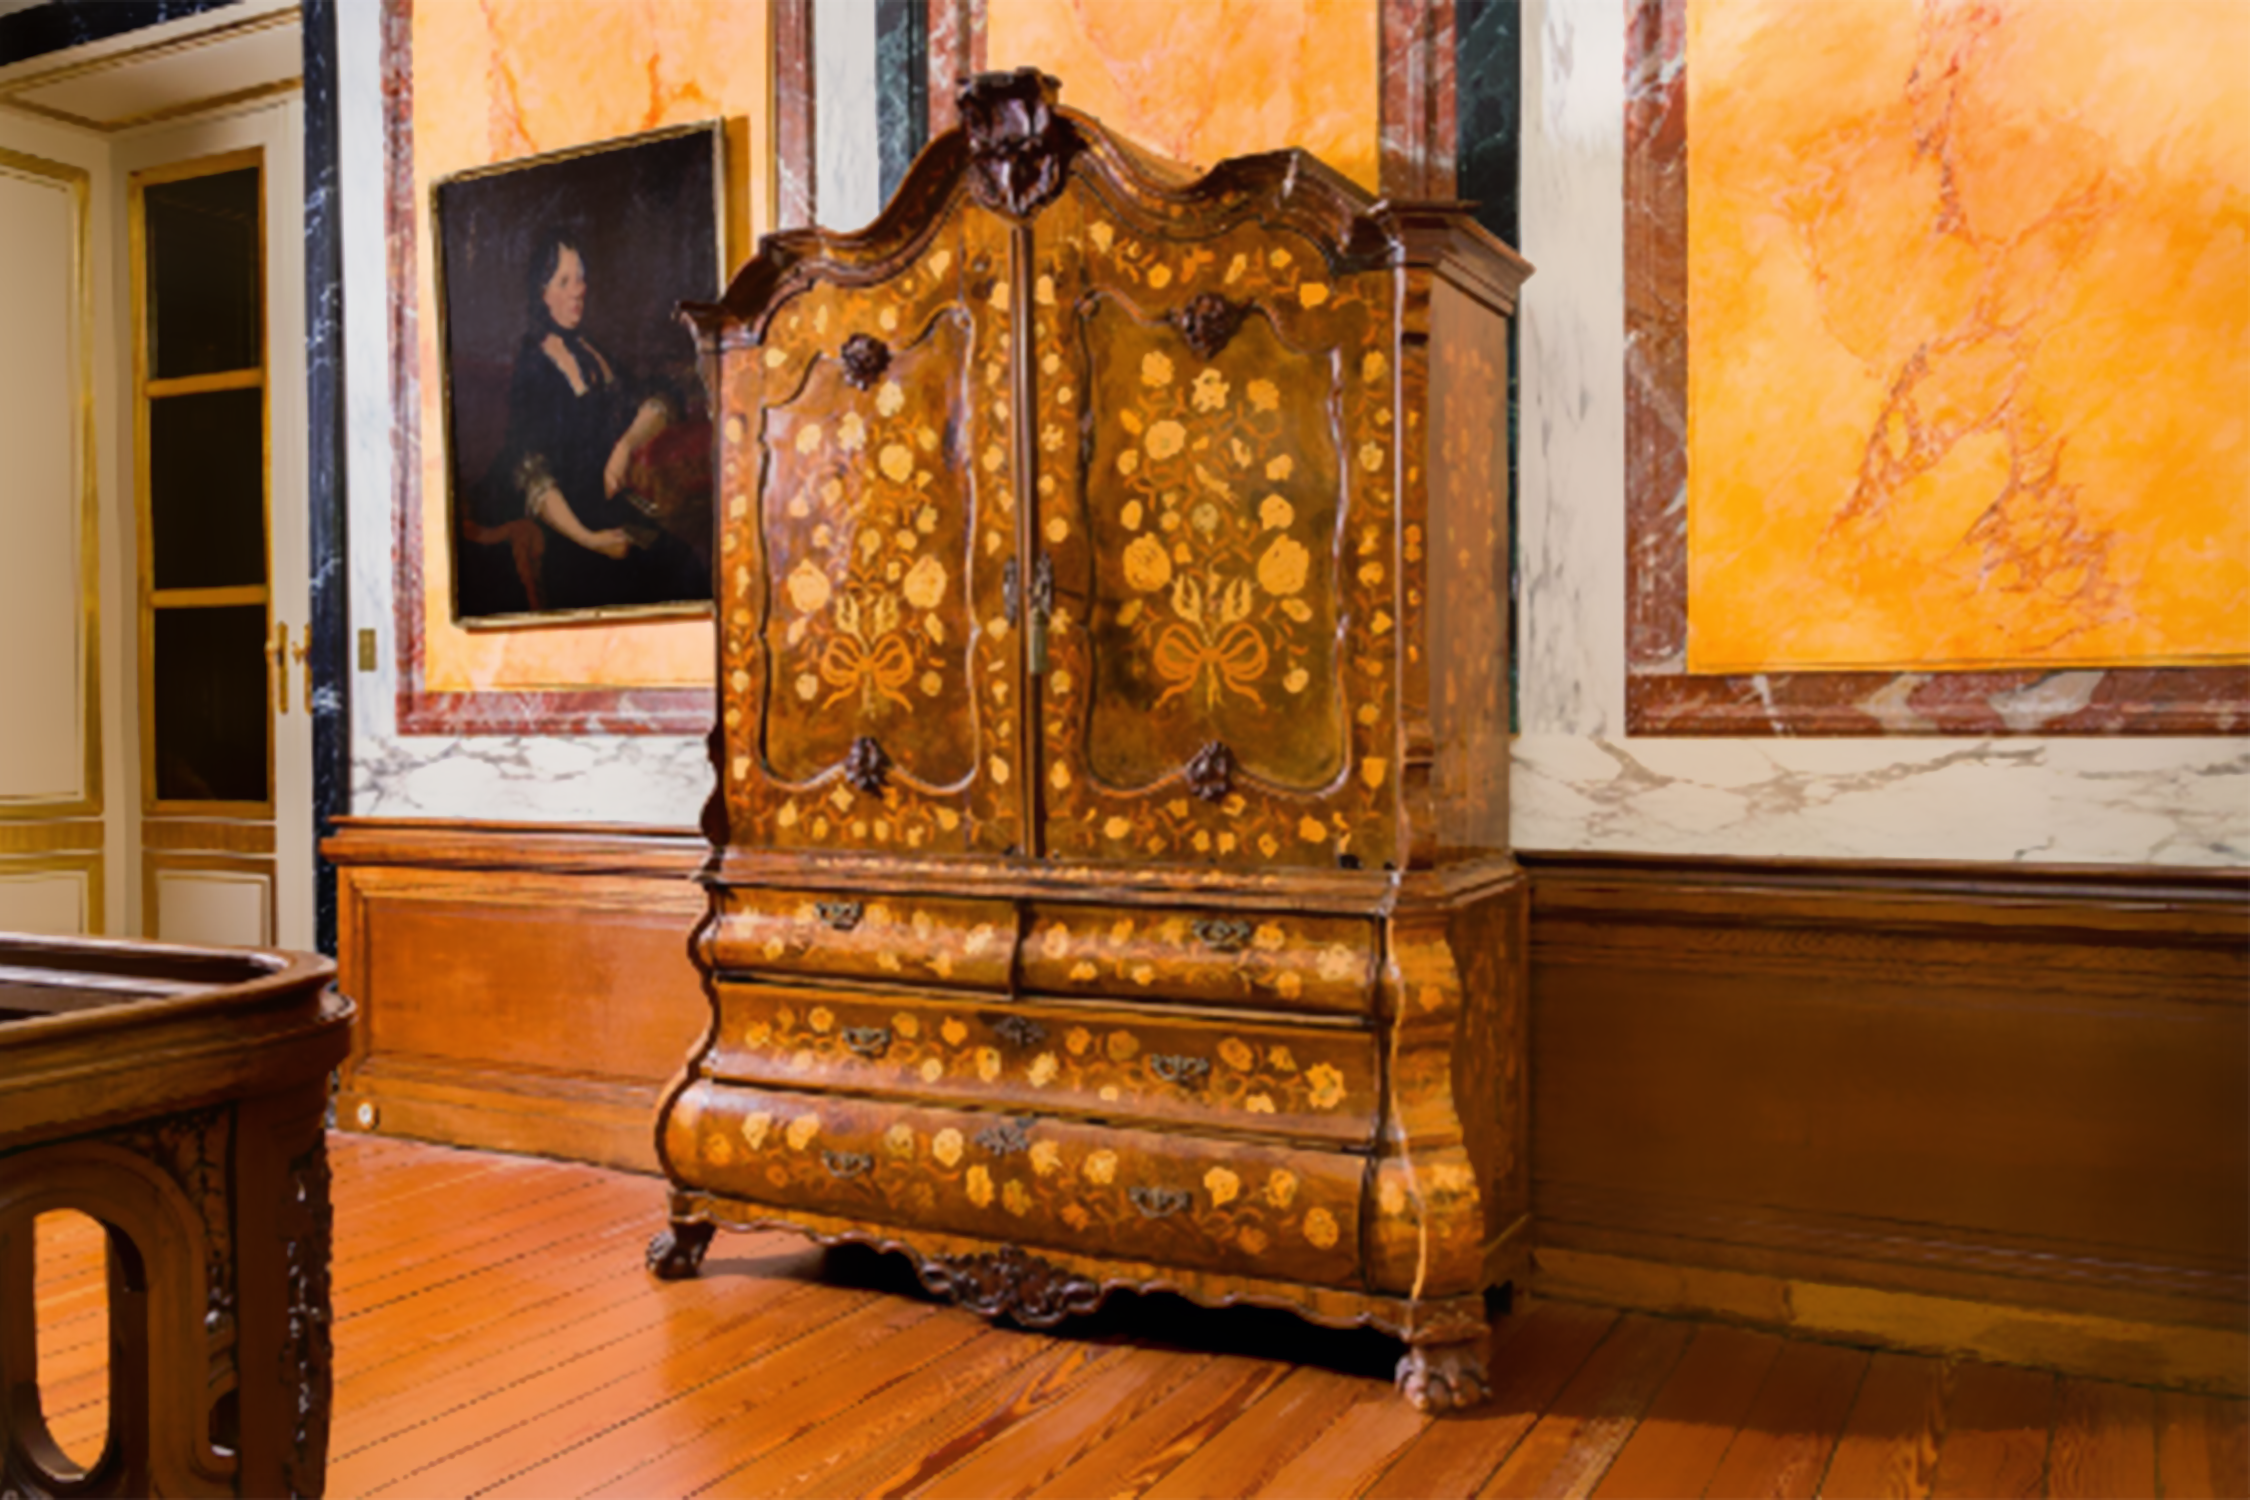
x=876, y=643
x=1219, y=543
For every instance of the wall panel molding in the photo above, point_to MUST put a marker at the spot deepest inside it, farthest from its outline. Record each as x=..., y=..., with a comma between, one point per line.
x=2025, y=1087
x=521, y=987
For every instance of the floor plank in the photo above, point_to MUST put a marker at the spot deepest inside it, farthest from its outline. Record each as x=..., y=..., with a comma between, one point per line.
x=1021, y=1461
x=498, y=1335
x=1536, y=1352
x=1793, y=1426
x=1681, y=1441
x=1251, y=1450
x=1890, y=1444
x=1152, y=1445
x=1995, y=1445
x=1569, y=1449
x=2104, y=1445
x=2202, y=1447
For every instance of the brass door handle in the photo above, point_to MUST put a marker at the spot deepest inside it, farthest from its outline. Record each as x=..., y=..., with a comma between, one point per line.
x=277, y=658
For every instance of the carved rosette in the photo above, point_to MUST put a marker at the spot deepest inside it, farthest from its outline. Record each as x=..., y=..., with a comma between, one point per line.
x=1019, y=148
x=866, y=766
x=1009, y=1284
x=1208, y=323
x=1210, y=775
x=865, y=358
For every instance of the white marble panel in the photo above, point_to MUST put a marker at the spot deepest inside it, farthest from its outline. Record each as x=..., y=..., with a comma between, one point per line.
x=1580, y=782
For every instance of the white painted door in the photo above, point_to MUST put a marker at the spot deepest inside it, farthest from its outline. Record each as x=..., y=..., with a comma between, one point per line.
x=59, y=833
x=215, y=344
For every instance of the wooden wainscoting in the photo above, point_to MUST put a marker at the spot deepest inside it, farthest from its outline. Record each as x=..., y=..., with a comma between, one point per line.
x=1998, y=1110
x=521, y=987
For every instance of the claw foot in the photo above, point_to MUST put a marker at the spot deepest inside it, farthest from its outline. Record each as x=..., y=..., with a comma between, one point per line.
x=677, y=1251
x=1444, y=1377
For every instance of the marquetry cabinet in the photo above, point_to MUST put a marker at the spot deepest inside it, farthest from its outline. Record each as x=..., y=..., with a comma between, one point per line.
x=1110, y=883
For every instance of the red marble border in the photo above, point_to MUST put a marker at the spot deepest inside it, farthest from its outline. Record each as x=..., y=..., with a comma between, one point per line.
x=956, y=41
x=1660, y=696
x=420, y=711
x=796, y=205
x=1419, y=120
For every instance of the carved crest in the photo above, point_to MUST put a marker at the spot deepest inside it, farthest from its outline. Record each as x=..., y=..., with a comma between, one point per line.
x=866, y=766
x=1007, y=1283
x=1210, y=775
x=1019, y=148
x=865, y=359
x=1208, y=323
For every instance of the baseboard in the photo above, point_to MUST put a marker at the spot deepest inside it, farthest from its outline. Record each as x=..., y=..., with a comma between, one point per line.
x=2142, y=1353
x=1898, y=1091
x=521, y=988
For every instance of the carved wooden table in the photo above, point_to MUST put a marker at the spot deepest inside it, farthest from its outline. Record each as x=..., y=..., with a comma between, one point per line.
x=175, y=1096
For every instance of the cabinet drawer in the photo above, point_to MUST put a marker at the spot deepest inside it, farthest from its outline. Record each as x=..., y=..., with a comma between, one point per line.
x=1127, y=1194
x=909, y=939
x=1269, y=961
x=1298, y=1082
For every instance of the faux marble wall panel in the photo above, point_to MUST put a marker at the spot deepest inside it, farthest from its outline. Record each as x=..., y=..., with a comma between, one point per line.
x=644, y=778
x=1583, y=782
x=500, y=79
x=1971, y=344
x=1202, y=82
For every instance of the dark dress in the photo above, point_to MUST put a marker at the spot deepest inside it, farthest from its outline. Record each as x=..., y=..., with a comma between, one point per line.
x=560, y=434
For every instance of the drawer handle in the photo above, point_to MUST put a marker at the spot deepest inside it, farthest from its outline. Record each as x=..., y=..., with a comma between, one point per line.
x=1020, y=1031
x=1159, y=1203
x=841, y=915
x=1187, y=1072
x=847, y=1164
x=868, y=1041
x=1223, y=934
x=1005, y=1138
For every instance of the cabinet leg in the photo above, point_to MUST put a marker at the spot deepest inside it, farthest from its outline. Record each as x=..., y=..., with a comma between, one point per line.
x=676, y=1253
x=1444, y=1377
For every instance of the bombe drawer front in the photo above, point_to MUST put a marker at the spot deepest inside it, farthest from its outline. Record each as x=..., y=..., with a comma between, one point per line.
x=1256, y=960
x=1310, y=1083
x=1128, y=1195
x=888, y=939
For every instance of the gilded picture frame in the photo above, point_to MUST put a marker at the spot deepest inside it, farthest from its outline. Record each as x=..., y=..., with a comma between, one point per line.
x=577, y=438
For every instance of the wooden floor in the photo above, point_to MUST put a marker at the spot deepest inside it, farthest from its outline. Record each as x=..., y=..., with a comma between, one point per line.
x=496, y=1335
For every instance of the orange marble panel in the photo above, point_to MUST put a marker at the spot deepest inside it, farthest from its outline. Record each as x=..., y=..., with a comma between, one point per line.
x=1969, y=333
x=500, y=79
x=1217, y=78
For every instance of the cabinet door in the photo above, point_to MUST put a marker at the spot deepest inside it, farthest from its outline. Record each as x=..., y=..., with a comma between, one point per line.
x=871, y=678
x=1216, y=505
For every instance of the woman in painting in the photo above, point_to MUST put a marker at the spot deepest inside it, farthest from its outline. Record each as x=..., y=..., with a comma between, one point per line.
x=574, y=430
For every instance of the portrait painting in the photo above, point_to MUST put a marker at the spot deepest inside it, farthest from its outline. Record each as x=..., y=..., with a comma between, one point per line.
x=578, y=439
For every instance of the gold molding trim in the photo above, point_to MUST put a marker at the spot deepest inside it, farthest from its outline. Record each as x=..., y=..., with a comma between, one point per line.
x=79, y=184
x=73, y=835
x=206, y=836
x=158, y=116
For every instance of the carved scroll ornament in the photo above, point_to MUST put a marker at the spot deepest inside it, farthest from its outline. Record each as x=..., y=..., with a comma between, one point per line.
x=1019, y=148
x=1009, y=1284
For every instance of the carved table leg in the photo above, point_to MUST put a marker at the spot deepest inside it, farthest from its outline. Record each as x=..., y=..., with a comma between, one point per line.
x=677, y=1251
x=1444, y=1377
